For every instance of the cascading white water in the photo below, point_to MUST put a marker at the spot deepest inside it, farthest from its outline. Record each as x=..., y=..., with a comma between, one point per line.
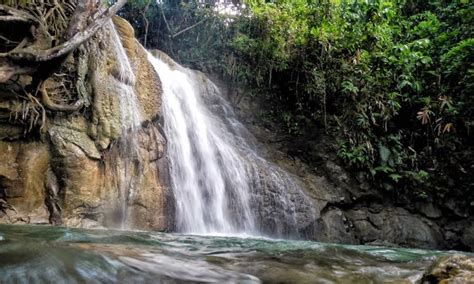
x=221, y=184
x=130, y=122
x=130, y=112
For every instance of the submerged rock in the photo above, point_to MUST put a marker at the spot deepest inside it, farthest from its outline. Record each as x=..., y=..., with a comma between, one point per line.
x=451, y=269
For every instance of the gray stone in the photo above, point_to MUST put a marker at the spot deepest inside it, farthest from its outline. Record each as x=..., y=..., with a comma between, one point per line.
x=468, y=236
x=429, y=210
x=395, y=225
x=458, y=209
x=333, y=226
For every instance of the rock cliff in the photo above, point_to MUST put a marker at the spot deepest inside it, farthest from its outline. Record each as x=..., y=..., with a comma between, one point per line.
x=75, y=168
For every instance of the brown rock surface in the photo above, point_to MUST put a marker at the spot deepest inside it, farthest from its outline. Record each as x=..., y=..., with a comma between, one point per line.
x=147, y=81
x=23, y=169
x=76, y=169
x=451, y=269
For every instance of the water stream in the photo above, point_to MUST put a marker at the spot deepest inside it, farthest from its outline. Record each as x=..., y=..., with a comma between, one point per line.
x=130, y=121
x=35, y=254
x=221, y=183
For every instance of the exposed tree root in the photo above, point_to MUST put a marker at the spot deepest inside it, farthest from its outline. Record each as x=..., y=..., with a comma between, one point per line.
x=49, y=104
x=9, y=14
x=39, y=36
x=35, y=55
x=9, y=71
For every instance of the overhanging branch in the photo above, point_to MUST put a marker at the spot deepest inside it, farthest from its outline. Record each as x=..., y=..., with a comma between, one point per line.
x=31, y=55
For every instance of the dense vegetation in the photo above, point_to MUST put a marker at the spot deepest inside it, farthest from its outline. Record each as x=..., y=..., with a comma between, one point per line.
x=392, y=81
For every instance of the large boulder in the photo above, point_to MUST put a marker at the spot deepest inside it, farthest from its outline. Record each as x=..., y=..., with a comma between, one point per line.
x=395, y=225
x=453, y=269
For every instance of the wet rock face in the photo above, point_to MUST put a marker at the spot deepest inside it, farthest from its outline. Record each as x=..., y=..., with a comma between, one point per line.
x=451, y=269
x=23, y=168
x=395, y=225
x=350, y=212
x=282, y=210
x=468, y=236
x=71, y=171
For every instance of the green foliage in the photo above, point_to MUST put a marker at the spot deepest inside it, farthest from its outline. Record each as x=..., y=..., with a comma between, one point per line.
x=391, y=80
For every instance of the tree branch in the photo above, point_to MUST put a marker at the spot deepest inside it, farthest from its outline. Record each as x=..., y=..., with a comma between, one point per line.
x=32, y=55
x=145, y=20
x=164, y=18
x=79, y=19
x=8, y=14
x=190, y=27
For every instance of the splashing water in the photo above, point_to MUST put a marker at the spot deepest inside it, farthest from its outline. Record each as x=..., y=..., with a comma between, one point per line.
x=221, y=184
x=46, y=254
x=130, y=122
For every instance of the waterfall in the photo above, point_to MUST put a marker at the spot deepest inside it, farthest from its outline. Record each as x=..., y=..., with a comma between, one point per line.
x=130, y=112
x=130, y=118
x=221, y=183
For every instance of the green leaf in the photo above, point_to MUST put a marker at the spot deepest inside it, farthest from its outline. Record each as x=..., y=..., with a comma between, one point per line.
x=384, y=153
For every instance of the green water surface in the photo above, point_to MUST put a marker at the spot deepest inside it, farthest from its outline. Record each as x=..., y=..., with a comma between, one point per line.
x=46, y=254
